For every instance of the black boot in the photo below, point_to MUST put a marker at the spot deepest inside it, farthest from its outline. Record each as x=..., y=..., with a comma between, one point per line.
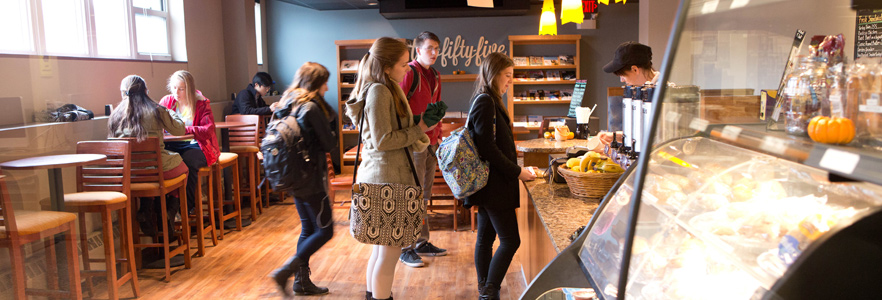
x=390, y=298
x=481, y=283
x=491, y=292
x=303, y=286
x=368, y=295
x=281, y=275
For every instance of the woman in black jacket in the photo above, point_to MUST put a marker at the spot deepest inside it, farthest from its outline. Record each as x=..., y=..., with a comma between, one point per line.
x=315, y=118
x=490, y=127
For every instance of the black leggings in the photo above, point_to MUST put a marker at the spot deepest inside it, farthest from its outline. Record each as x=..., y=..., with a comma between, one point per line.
x=493, y=222
x=316, y=227
x=194, y=159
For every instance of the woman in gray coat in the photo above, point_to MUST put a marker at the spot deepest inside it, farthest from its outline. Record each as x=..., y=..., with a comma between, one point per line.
x=381, y=101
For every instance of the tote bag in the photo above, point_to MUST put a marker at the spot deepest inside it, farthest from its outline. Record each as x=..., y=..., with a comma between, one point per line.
x=387, y=214
x=460, y=164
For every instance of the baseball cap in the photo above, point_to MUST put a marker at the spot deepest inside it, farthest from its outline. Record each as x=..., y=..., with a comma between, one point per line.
x=627, y=54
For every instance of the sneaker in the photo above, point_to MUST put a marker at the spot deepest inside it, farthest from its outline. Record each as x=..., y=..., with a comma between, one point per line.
x=411, y=259
x=429, y=249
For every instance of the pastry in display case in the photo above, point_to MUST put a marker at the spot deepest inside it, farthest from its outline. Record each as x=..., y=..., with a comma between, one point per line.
x=723, y=210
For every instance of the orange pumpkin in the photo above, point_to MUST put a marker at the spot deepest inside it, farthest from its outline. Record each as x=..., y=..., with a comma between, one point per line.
x=831, y=130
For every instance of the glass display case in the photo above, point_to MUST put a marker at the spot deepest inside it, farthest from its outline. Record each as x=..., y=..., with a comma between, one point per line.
x=721, y=205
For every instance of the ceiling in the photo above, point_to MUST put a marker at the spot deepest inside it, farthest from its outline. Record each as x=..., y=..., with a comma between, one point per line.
x=335, y=4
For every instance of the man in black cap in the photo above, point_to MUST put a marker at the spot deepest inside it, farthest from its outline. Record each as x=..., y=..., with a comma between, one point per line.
x=250, y=100
x=633, y=64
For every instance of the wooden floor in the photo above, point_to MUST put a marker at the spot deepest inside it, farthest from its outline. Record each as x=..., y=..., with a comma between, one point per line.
x=237, y=267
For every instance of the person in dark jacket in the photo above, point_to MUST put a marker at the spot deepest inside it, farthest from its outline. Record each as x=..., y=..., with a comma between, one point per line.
x=250, y=100
x=490, y=127
x=315, y=116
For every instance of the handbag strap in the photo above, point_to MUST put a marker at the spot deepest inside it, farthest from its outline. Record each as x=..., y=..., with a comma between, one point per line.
x=494, y=113
x=358, y=151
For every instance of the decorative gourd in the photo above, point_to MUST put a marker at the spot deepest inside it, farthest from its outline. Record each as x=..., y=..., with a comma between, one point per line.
x=831, y=130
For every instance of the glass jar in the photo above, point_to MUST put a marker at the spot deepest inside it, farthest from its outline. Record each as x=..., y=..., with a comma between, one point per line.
x=805, y=95
x=869, y=112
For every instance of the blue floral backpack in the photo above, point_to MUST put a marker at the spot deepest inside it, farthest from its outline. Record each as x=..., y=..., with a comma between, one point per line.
x=460, y=164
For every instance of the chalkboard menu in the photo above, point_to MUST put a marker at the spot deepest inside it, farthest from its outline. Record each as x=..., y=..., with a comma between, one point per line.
x=578, y=93
x=868, y=33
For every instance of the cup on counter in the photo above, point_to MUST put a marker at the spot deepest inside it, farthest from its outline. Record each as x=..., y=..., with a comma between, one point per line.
x=561, y=133
x=594, y=144
x=108, y=109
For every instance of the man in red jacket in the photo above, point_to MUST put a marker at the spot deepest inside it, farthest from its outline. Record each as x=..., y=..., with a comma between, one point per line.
x=423, y=87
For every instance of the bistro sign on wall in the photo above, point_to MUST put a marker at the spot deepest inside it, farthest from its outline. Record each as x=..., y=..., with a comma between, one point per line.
x=456, y=52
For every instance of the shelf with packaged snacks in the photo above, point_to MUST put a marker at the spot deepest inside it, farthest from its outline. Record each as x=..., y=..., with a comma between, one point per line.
x=553, y=67
x=540, y=102
x=541, y=82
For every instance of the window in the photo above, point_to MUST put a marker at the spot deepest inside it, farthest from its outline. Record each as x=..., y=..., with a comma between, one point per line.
x=257, y=32
x=136, y=29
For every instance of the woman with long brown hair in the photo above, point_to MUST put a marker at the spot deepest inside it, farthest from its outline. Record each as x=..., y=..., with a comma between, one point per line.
x=137, y=116
x=195, y=110
x=305, y=101
x=490, y=128
x=378, y=98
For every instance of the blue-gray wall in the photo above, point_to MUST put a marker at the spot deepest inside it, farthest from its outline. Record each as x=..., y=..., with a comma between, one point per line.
x=297, y=34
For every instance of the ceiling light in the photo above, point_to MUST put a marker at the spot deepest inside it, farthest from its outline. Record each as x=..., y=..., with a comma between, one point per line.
x=571, y=11
x=547, y=21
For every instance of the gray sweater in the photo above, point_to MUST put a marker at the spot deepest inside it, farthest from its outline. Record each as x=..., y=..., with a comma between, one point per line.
x=383, y=160
x=165, y=120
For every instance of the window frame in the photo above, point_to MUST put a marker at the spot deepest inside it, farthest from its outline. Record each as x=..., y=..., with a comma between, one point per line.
x=38, y=36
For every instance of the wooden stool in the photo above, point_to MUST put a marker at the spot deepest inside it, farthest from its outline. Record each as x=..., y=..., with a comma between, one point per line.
x=148, y=181
x=228, y=160
x=199, y=212
x=18, y=229
x=103, y=189
x=245, y=141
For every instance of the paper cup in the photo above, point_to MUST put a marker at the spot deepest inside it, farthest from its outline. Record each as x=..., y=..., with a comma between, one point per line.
x=594, y=144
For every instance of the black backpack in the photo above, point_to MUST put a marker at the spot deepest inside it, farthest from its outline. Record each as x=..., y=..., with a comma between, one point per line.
x=286, y=160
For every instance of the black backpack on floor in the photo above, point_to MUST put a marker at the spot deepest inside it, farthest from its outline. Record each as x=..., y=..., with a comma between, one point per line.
x=285, y=152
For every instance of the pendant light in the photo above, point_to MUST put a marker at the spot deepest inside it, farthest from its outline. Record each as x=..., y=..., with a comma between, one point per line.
x=547, y=21
x=571, y=11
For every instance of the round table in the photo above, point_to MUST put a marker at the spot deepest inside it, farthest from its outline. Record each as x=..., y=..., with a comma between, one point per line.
x=54, y=163
x=536, y=151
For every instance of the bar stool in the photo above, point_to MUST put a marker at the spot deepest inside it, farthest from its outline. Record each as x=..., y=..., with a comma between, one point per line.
x=104, y=189
x=148, y=181
x=198, y=215
x=228, y=160
x=18, y=229
x=245, y=141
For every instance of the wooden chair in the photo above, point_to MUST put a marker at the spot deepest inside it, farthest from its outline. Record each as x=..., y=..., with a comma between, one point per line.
x=104, y=189
x=23, y=227
x=228, y=160
x=148, y=181
x=338, y=183
x=199, y=214
x=245, y=141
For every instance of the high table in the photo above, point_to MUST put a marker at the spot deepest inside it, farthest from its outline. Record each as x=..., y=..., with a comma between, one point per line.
x=54, y=163
x=177, y=138
x=536, y=151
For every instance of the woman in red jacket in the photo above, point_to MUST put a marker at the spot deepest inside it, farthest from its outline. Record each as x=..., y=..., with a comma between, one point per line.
x=195, y=110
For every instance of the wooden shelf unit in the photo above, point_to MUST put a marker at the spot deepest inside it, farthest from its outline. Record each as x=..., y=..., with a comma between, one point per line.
x=563, y=39
x=342, y=46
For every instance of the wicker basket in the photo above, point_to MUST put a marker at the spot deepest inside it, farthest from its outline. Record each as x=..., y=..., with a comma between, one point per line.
x=590, y=185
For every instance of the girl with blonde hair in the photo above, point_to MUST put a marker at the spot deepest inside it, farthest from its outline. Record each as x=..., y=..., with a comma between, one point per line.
x=305, y=101
x=378, y=97
x=195, y=110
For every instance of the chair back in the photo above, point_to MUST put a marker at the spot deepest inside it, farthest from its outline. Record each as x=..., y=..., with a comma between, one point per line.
x=245, y=136
x=146, y=160
x=448, y=125
x=8, y=218
x=114, y=175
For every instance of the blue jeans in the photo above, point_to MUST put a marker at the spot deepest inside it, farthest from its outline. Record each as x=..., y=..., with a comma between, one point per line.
x=316, y=226
x=493, y=223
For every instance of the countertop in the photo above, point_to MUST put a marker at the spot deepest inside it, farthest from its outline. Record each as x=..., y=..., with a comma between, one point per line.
x=560, y=211
x=548, y=145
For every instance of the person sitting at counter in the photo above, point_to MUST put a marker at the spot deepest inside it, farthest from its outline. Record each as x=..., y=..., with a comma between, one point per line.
x=249, y=101
x=137, y=116
x=491, y=128
x=195, y=110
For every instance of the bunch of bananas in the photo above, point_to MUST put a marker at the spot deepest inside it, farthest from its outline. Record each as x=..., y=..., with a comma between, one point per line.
x=593, y=162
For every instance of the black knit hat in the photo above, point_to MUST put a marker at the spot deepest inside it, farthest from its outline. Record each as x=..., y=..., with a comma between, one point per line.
x=629, y=54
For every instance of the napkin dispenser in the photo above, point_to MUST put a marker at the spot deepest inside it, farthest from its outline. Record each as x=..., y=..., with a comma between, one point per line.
x=554, y=161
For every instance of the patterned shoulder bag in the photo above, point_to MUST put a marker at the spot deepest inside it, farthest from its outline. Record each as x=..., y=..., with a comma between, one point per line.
x=387, y=214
